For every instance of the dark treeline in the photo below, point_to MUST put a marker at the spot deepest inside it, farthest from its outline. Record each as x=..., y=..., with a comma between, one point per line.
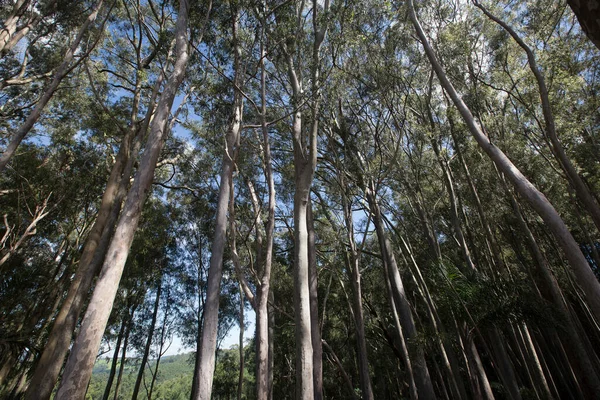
x=400, y=198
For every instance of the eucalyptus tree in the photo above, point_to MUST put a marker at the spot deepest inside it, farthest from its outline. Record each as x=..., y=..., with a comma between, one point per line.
x=208, y=341
x=99, y=237
x=580, y=267
x=80, y=362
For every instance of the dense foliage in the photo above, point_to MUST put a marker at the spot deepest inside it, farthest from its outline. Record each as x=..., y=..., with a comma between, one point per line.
x=402, y=199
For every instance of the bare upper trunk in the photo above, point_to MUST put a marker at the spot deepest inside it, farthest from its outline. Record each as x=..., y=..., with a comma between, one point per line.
x=208, y=340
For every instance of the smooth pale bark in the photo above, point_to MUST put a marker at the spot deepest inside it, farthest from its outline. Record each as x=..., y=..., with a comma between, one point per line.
x=305, y=162
x=478, y=366
x=10, y=23
x=208, y=343
x=579, y=265
x=531, y=357
x=582, y=191
x=503, y=364
x=263, y=337
x=81, y=360
x=490, y=239
x=57, y=346
x=14, y=28
x=454, y=216
x=62, y=71
x=208, y=340
x=303, y=329
x=148, y=344
x=161, y=351
x=422, y=378
x=271, y=363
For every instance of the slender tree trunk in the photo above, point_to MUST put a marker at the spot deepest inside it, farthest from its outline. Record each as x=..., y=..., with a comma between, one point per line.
x=208, y=342
x=305, y=162
x=304, y=348
x=450, y=360
x=397, y=341
x=81, y=360
x=340, y=366
x=264, y=334
x=582, y=362
x=62, y=71
x=124, y=353
x=478, y=366
x=579, y=265
x=271, y=364
x=422, y=377
x=358, y=314
x=314, y=306
x=160, y=353
x=50, y=363
x=241, y=346
x=10, y=24
x=115, y=360
x=533, y=359
x=503, y=364
x=148, y=345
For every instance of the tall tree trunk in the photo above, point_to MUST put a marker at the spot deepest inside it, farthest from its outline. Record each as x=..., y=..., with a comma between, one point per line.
x=582, y=362
x=124, y=353
x=422, y=377
x=477, y=364
x=62, y=71
x=162, y=340
x=503, y=364
x=241, y=346
x=208, y=342
x=450, y=360
x=579, y=265
x=358, y=314
x=397, y=342
x=57, y=346
x=148, y=345
x=81, y=360
x=305, y=162
x=314, y=306
x=263, y=333
x=271, y=363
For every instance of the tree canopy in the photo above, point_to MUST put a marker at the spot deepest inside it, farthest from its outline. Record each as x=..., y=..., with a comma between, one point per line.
x=396, y=199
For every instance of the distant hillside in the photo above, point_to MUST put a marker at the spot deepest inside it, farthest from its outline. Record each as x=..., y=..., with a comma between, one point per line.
x=174, y=378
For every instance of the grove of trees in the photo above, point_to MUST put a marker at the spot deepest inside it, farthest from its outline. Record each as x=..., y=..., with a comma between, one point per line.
x=402, y=198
